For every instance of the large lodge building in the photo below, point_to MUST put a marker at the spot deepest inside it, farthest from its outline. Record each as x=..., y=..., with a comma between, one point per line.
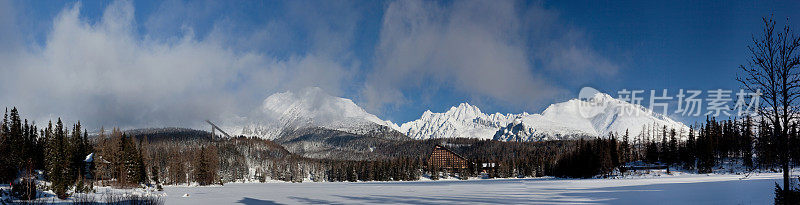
x=443, y=159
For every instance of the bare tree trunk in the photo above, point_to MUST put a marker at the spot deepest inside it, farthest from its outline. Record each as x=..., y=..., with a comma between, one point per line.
x=785, y=163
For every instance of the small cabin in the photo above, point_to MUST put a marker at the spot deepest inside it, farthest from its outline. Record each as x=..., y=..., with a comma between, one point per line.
x=443, y=159
x=642, y=166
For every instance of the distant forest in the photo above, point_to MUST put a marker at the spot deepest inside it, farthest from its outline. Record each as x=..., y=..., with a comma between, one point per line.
x=179, y=156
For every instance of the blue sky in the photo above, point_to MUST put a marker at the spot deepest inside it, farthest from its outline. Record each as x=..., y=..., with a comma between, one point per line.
x=153, y=63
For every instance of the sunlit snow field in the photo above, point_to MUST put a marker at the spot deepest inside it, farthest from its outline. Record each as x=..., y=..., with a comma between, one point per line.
x=684, y=189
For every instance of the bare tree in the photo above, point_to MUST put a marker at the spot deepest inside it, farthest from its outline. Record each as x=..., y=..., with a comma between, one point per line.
x=773, y=70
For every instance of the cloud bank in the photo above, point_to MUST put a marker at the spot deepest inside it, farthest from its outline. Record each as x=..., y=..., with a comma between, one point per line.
x=105, y=73
x=501, y=50
x=169, y=70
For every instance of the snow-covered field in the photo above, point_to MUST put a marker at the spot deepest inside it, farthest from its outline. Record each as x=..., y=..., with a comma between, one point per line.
x=683, y=189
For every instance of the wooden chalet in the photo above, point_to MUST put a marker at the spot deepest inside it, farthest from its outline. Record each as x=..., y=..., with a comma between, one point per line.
x=443, y=159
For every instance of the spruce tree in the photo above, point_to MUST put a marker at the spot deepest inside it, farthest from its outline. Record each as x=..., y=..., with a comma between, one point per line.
x=766, y=155
x=59, y=166
x=663, y=152
x=15, y=139
x=7, y=170
x=141, y=169
x=673, y=147
x=626, y=150
x=202, y=175
x=76, y=152
x=747, y=143
x=690, y=157
x=705, y=147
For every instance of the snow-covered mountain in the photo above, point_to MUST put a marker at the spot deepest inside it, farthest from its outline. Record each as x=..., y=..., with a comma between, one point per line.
x=515, y=131
x=310, y=107
x=596, y=116
x=603, y=114
x=464, y=120
x=288, y=111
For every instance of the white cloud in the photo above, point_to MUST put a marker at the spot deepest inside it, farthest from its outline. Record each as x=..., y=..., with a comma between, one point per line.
x=115, y=72
x=485, y=49
x=105, y=73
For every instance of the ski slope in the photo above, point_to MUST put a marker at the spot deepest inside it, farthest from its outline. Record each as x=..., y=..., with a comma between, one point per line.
x=684, y=189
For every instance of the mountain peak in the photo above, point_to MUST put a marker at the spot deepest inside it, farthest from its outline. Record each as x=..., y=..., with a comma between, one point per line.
x=310, y=106
x=465, y=111
x=463, y=120
x=464, y=106
x=602, y=97
x=595, y=115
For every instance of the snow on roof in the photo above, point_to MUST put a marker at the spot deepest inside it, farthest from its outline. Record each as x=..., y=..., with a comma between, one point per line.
x=89, y=158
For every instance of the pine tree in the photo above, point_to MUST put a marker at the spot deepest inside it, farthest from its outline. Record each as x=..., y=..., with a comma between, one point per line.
x=59, y=161
x=76, y=149
x=766, y=147
x=626, y=150
x=673, y=147
x=689, y=152
x=663, y=150
x=157, y=182
x=7, y=170
x=141, y=168
x=705, y=147
x=37, y=144
x=651, y=152
x=15, y=139
x=613, y=151
x=747, y=143
x=131, y=165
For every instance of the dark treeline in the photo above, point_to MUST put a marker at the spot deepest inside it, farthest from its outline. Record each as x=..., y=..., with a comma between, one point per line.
x=181, y=156
x=739, y=142
x=253, y=159
x=513, y=159
x=703, y=148
x=746, y=140
x=590, y=158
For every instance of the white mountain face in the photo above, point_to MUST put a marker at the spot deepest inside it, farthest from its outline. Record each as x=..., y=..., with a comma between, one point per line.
x=515, y=131
x=465, y=120
x=597, y=116
x=310, y=107
x=603, y=114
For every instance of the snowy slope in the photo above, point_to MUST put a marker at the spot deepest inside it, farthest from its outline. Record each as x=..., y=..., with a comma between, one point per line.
x=575, y=118
x=603, y=114
x=597, y=116
x=310, y=107
x=465, y=120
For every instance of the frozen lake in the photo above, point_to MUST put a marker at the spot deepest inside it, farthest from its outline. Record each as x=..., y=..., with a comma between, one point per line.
x=686, y=189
